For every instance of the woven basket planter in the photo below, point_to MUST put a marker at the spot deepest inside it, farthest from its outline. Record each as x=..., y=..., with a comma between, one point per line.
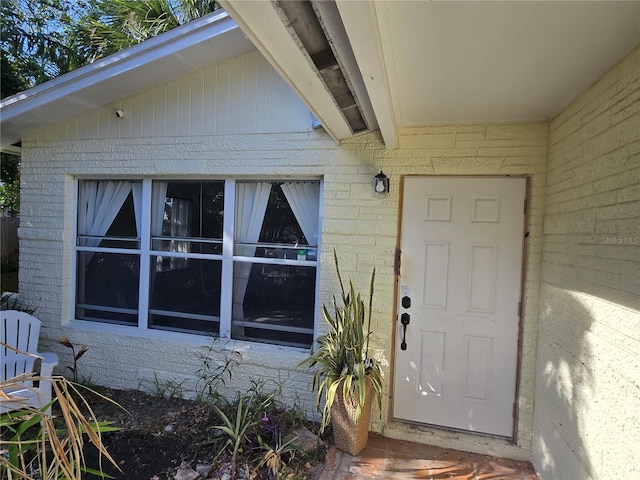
x=348, y=435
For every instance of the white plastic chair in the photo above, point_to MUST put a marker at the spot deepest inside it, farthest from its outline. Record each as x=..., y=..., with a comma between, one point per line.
x=21, y=331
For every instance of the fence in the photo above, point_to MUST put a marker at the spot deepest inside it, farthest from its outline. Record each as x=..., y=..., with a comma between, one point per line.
x=8, y=236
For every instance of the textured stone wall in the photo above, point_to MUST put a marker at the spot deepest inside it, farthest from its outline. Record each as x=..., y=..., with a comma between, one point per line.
x=588, y=370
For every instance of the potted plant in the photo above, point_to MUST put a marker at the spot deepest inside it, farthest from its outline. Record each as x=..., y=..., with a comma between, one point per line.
x=345, y=374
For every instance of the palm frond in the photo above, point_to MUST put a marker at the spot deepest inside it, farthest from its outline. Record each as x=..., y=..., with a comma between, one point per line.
x=57, y=451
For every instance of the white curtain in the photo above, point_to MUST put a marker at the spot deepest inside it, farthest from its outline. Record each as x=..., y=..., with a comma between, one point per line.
x=251, y=205
x=158, y=200
x=99, y=204
x=136, y=188
x=98, y=207
x=304, y=200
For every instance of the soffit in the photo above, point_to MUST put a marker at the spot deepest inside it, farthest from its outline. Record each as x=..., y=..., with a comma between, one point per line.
x=265, y=23
x=433, y=63
x=467, y=62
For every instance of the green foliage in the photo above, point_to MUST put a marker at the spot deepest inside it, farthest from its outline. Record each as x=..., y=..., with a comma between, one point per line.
x=9, y=168
x=237, y=420
x=255, y=426
x=166, y=389
x=12, y=79
x=113, y=25
x=342, y=355
x=34, y=42
x=213, y=373
x=10, y=180
x=10, y=196
x=10, y=301
x=34, y=447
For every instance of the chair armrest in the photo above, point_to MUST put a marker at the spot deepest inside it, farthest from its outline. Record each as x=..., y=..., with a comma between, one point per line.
x=49, y=360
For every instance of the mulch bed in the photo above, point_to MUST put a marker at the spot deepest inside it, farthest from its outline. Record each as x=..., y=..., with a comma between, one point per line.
x=158, y=434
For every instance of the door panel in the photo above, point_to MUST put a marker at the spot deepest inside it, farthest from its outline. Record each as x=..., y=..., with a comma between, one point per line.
x=436, y=269
x=461, y=241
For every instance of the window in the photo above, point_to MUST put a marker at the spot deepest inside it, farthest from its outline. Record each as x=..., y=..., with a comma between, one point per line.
x=186, y=266
x=217, y=257
x=275, y=247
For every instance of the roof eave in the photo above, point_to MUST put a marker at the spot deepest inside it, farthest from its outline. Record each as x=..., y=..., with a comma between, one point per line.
x=360, y=20
x=77, y=91
x=263, y=25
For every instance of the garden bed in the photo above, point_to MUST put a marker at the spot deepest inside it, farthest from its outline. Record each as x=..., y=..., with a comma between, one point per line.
x=173, y=438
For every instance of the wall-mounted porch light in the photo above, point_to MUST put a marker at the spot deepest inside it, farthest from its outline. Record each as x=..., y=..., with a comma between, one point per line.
x=381, y=184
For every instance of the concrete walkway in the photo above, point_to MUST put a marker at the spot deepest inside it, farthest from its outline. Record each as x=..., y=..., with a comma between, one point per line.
x=386, y=458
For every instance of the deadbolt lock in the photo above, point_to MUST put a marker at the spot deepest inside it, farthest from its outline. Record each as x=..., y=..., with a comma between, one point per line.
x=406, y=302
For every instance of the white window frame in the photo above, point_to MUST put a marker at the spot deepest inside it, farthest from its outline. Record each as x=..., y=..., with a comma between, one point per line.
x=227, y=257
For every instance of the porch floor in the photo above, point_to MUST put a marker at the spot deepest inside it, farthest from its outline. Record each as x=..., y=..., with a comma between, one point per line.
x=386, y=458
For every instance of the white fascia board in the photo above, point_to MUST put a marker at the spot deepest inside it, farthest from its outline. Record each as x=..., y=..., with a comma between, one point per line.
x=361, y=24
x=144, y=53
x=11, y=149
x=330, y=20
x=260, y=21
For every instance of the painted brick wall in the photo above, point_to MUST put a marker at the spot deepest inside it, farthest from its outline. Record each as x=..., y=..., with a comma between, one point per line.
x=135, y=359
x=361, y=227
x=479, y=150
x=588, y=370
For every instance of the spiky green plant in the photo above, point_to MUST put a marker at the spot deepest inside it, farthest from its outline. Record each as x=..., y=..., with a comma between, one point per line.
x=341, y=356
x=11, y=301
x=238, y=420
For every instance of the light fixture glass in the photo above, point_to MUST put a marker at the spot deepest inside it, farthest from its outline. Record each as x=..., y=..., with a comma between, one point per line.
x=381, y=184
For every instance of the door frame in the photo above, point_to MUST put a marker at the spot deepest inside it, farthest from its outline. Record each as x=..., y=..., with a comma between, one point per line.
x=395, y=312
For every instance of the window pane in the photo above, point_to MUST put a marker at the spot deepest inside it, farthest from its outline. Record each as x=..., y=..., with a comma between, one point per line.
x=184, y=323
x=107, y=287
x=286, y=252
x=274, y=303
x=185, y=294
x=280, y=224
x=283, y=224
x=187, y=210
x=164, y=244
x=106, y=215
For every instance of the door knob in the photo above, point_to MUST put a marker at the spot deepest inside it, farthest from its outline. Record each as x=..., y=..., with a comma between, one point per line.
x=406, y=302
x=405, y=319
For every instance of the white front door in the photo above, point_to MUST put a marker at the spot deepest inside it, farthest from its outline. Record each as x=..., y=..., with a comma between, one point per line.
x=460, y=283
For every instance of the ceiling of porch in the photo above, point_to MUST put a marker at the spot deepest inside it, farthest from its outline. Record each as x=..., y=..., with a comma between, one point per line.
x=413, y=63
